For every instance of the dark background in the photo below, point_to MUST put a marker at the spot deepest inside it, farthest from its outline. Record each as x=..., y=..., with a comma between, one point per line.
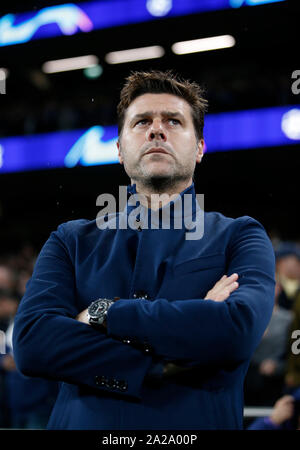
x=262, y=183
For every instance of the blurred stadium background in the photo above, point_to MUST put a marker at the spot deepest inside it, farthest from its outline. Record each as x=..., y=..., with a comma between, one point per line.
x=58, y=126
x=252, y=175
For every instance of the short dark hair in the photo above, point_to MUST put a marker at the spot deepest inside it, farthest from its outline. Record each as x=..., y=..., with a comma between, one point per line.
x=158, y=82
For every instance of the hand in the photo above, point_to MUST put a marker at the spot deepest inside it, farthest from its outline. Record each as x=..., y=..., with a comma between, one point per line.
x=267, y=367
x=283, y=410
x=223, y=288
x=83, y=317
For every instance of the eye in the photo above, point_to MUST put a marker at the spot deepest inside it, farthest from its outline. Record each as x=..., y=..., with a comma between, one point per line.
x=174, y=121
x=142, y=122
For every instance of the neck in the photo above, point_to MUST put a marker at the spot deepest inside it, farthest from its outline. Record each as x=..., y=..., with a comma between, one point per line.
x=157, y=195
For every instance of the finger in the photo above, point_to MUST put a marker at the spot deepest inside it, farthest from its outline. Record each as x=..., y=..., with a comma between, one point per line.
x=221, y=280
x=233, y=286
x=227, y=288
x=289, y=412
x=233, y=277
x=225, y=281
x=288, y=399
x=225, y=292
x=221, y=283
x=290, y=408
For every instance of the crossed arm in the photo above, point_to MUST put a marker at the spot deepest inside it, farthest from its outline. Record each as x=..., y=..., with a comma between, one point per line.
x=225, y=326
x=220, y=292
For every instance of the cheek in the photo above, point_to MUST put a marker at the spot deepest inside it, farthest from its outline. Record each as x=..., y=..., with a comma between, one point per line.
x=128, y=156
x=186, y=139
x=131, y=146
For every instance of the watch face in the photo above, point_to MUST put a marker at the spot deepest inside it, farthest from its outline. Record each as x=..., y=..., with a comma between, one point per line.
x=97, y=308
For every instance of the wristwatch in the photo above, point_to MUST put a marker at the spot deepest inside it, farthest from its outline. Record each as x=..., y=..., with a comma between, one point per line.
x=97, y=311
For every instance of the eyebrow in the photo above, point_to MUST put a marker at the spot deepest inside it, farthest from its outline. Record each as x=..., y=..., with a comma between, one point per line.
x=152, y=113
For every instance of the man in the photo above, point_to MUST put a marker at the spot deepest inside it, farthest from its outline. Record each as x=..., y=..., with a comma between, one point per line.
x=284, y=416
x=168, y=344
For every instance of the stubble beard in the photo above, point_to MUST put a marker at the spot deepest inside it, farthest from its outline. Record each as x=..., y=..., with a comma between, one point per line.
x=158, y=183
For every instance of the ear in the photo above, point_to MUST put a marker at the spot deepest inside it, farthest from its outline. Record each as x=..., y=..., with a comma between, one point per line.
x=119, y=153
x=200, y=147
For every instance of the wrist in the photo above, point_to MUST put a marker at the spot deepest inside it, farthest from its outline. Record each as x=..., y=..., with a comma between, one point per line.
x=270, y=422
x=274, y=420
x=97, y=312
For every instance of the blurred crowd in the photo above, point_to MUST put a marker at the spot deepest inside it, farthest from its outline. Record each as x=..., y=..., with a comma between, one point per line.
x=56, y=115
x=42, y=110
x=273, y=378
x=25, y=402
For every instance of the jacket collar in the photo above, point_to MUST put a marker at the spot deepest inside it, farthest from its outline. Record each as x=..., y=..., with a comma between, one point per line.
x=180, y=211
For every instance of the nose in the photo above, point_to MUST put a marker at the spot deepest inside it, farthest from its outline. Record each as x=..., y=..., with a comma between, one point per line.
x=156, y=131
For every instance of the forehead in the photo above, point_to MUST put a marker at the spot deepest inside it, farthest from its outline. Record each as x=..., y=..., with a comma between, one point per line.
x=158, y=103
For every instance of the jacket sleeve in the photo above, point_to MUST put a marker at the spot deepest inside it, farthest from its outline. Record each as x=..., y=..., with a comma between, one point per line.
x=48, y=342
x=263, y=423
x=206, y=331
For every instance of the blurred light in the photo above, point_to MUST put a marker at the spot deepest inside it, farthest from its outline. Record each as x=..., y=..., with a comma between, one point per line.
x=1, y=155
x=203, y=45
x=159, y=8
x=91, y=150
x=134, y=54
x=239, y=3
x=3, y=76
x=64, y=65
x=93, y=71
x=290, y=124
x=70, y=19
x=237, y=130
x=3, y=73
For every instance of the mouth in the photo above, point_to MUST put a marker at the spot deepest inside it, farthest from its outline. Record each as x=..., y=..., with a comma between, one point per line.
x=157, y=150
